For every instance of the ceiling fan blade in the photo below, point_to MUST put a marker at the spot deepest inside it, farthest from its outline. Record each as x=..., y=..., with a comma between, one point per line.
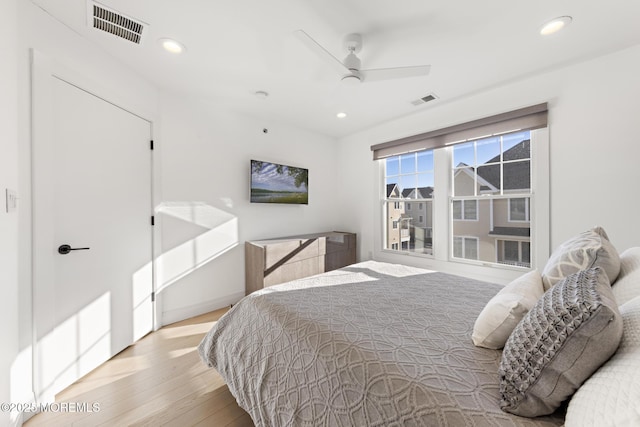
x=321, y=52
x=394, y=73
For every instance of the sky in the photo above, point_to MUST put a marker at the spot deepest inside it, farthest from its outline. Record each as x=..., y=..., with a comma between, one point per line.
x=269, y=179
x=487, y=149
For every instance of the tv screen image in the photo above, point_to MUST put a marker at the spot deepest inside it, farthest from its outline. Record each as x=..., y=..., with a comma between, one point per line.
x=275, y=183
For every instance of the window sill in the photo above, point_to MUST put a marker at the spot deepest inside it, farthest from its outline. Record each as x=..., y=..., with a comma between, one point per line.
x=489, y=272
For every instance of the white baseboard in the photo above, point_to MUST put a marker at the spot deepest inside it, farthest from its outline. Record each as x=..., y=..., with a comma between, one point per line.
x=172, y=316
x=20, y=419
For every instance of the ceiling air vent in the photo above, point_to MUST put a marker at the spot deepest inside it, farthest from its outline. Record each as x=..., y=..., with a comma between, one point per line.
x=110, y=21
x=424, y=99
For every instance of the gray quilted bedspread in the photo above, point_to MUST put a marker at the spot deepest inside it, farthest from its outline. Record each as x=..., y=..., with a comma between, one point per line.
x=373, y=344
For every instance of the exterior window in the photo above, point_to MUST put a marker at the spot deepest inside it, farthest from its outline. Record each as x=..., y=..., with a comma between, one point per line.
x=519, y=209
x=465, y=247
x=514, y=252
x=491, y=198
x=465, y=210
x=409, y=179
x=489, y=205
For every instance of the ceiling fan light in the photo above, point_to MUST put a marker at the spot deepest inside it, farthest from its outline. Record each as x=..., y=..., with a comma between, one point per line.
x=555, y=25
x=351, y=80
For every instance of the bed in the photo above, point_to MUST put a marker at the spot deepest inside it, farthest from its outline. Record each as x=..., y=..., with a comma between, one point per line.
x=378, y=344
x=372, y=344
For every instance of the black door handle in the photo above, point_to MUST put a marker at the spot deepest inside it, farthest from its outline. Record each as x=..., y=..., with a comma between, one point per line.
x=65, y=249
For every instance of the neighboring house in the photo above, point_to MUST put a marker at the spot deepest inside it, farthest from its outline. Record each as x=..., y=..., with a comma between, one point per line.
x=494, y=230
x=398, y=223
x=419, y=207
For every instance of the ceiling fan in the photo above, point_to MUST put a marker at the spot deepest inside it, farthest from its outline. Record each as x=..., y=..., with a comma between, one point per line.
x=350, y=69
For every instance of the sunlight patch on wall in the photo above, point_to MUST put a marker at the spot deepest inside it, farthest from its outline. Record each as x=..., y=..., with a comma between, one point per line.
x=220, y=236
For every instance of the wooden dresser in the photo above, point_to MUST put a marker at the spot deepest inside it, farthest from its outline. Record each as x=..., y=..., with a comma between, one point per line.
x=273, y=261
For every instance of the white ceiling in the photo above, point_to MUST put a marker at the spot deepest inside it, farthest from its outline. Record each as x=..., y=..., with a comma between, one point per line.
x=238, y=47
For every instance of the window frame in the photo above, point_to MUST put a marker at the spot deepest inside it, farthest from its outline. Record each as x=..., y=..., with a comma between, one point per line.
x=441, y=220
x=419, y=243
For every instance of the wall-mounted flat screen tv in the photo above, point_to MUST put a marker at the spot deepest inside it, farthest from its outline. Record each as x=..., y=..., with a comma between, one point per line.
x=275, y=183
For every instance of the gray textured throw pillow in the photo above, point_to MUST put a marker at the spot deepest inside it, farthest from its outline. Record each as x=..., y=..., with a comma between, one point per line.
x=572, y=330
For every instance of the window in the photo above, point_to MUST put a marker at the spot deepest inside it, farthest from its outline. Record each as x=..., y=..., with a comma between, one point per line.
x=519, y=209
x=490, y=200
x=486, y=175
x=484, y=199
x=513, y=252
x=409, y=177
x=465, y=247
x=465, y=210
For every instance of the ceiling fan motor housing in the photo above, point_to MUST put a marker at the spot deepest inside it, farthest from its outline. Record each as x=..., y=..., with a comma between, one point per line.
x=352, y=62
x=353, y=42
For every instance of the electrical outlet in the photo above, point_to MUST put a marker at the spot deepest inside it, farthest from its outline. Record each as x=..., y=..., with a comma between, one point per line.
x=12, y=200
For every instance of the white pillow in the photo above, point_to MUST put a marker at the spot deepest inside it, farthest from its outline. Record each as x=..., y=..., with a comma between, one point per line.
x=627, y=286
x=503, y=312
x=611, y=396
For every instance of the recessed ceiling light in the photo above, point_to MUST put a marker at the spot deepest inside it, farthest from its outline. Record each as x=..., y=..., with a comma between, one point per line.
x=172, y=46
x=341, y=115
x=555, y=25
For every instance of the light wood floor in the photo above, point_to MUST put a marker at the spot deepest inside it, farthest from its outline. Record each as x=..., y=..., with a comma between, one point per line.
x=158, y=381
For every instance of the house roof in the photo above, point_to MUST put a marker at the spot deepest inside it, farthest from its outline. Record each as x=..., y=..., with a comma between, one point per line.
x=421, y=192
x=518, y=173
x=511, y=231
x=391, y=188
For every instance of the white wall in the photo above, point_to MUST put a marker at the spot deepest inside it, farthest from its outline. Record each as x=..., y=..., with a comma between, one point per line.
x=8, y=221
x=206, y=153
x=190, y=143
x=36, y=29
x=594, y=150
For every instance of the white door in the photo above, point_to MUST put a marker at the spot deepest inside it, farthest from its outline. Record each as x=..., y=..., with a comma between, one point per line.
x=99, y=177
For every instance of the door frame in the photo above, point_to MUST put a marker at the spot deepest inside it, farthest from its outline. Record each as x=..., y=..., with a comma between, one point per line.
x=43, y=70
